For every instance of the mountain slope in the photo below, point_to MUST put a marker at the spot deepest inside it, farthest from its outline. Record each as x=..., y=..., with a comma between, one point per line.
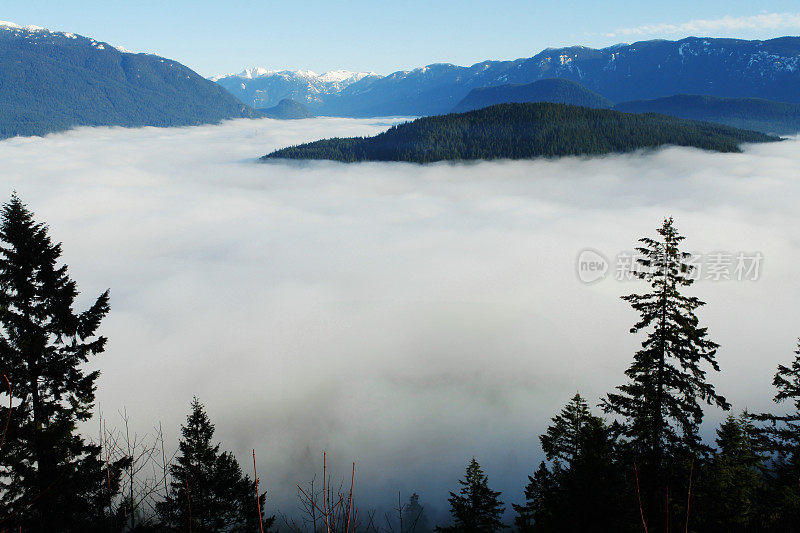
x=556, y=90
x=751, y=113
x=286, y=109
x=643, y=70
x=522, y=131
x=51, y=81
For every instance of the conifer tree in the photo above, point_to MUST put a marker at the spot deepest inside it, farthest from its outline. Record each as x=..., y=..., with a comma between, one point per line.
x=783, y=437
x=208, y=488
x=731, y=488
x=476, y=508
x=568, y=432
x=661, y=404
x=659, y=411
x=52, y=480
x=415, y=519
x=537, y=511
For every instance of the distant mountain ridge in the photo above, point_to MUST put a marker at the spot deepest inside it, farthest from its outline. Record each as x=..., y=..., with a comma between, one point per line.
x=750, y=113
x=52, y=81
x=554, y=90
x=287, y=109
x=643, y=70
x=262, y=88
x=523, y=131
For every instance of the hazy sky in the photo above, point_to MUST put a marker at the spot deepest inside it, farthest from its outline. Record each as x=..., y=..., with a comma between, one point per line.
x=383, y=36
x=406, y=317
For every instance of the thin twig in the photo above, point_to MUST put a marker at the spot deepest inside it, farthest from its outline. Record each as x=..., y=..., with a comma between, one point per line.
x=639, y=494
x=258, y=498
x=689, y=496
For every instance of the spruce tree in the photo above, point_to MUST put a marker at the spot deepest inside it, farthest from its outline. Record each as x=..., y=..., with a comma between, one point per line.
x=566, y=436
x=782, y=435
x=52, y=479
x=476, y=508
x=208, y=488
x=661, y=404
x=415, y=520
x=540, y=494
x=731, y=487
x=659, y=410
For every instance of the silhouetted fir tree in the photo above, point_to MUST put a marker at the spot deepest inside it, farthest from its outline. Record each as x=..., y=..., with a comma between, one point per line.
x=476, y=508
x=581, y=492
x=566, y=435
x=52, y=479
x=731, y=486
x=209, y=485
x=660, y=407
x=415, y=520
x=536, y=514
x=783, y=437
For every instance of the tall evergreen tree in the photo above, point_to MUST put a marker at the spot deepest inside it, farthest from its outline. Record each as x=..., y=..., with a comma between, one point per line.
x=661, y=404
x=660, y=407
x=476, y=508
x=208, y=488
x=52, y=479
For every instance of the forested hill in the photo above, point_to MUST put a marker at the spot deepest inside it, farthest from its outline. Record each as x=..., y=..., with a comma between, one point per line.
x=557, y=91
x=51, y=81
x=523, y=131
x=750, y=113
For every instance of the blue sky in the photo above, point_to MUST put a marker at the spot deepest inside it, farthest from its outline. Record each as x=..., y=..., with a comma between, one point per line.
x=383, y=36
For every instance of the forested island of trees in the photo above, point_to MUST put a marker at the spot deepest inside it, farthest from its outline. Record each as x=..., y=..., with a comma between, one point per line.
x=524, y=131
x=638, y=464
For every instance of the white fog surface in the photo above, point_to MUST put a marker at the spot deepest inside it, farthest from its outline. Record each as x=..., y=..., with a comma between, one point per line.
x=407, y=317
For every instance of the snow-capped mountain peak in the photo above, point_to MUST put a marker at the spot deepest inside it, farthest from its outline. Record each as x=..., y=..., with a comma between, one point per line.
x=263, y=87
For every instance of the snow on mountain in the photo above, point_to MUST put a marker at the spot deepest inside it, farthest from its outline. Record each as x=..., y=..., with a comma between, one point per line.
x=38, y=32
x=264, y=88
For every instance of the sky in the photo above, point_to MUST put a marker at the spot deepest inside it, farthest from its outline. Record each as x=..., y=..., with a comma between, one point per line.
x=401, y=316
x=384, y=36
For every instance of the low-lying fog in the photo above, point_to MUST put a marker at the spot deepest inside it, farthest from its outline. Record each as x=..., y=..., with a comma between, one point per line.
x=406, y=317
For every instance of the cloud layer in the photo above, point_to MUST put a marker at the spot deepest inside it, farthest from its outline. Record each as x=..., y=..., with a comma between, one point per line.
x=763, y=21
x=407, y=317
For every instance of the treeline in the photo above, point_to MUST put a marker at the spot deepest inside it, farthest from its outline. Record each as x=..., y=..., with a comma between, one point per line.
x=523, y=131
x=639, y=465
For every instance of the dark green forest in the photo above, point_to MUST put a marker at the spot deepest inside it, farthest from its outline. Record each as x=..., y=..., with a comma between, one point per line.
x=636, y=463
x=523, y=131
x=749, y=113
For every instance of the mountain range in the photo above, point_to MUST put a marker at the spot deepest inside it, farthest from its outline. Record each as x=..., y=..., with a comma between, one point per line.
x=737, y=68
x=262, y=88
x=51, y=81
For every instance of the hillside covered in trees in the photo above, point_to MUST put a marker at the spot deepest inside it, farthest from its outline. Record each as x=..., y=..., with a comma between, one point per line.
x=53, y=81
x=523, y=131
x=750, y=113
x=556, y=91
